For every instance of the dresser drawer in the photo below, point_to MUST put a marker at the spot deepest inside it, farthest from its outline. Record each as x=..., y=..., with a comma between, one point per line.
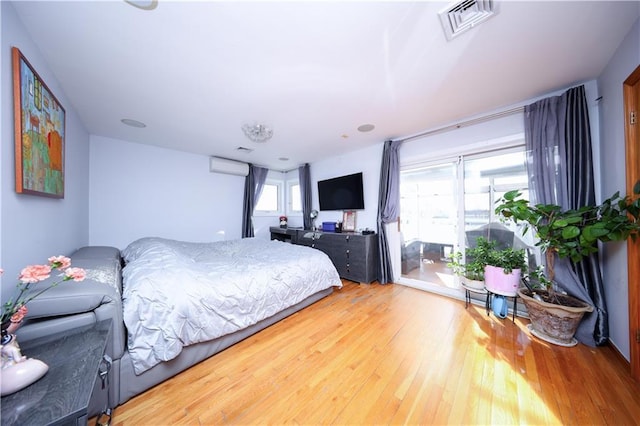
x=354, y=255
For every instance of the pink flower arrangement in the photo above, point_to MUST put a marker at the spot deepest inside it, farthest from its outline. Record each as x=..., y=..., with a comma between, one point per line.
x=13, y=311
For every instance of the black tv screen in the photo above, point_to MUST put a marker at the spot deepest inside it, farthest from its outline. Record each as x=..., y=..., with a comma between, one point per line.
x=341, y=193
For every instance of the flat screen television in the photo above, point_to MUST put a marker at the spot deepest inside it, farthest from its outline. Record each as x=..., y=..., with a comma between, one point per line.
x=341, y=193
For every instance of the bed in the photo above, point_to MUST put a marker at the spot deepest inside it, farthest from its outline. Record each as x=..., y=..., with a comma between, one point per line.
x=176, y=303
x=179, y=293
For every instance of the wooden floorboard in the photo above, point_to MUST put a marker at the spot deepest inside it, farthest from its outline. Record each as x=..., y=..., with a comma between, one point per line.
x=373, y=354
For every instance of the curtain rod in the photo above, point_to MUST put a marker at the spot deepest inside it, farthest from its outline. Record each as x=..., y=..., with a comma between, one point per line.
x=464, y=123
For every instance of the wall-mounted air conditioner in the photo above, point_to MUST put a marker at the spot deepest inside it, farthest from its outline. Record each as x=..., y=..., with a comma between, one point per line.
x=229, y=167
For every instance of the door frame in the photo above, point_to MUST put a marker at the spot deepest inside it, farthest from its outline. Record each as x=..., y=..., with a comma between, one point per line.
x=631, y=96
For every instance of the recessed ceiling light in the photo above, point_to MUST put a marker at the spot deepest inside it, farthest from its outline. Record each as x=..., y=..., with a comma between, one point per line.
x=133, y=123
x=283, y=159
x=143, y=4
x=366, y=128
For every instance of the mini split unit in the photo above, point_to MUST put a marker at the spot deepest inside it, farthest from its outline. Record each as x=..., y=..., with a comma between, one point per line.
x=229, y=167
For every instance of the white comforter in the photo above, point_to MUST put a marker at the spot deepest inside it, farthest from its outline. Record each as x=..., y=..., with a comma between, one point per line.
x=179, y=293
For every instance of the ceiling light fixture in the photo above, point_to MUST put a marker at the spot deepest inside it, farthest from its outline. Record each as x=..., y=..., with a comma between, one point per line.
x=133, y=123
x=257, y=132
x=366, y=128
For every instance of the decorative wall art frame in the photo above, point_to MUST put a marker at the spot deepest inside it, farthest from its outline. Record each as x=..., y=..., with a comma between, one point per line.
x=39, y=123
x=349, y=220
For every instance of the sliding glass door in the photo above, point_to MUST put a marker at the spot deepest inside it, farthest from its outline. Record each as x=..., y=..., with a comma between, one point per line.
x=429, y=221
x=445, y=206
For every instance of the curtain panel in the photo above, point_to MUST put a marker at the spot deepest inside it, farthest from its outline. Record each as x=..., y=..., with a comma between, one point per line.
x=560, y=168
x=253, y=184
x=388, y=205
x=304, y=176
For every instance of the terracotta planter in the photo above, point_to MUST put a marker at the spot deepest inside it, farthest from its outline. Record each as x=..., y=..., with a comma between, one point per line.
x=497, y=282
x=552, y=322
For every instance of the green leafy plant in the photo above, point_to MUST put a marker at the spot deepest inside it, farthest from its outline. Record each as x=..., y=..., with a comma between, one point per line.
x=486, y=253
x=470, y=269
x=508, y=259
x=573, y=233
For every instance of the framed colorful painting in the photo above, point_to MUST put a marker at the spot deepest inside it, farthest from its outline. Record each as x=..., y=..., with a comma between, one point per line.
x=39, y=122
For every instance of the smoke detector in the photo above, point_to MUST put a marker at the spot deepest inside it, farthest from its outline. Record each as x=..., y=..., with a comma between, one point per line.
x=464, y=15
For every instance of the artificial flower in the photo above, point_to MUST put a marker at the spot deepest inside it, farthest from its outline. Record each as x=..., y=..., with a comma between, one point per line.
x=14, y=311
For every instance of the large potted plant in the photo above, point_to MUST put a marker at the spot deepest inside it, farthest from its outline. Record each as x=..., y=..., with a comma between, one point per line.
x=570, y=234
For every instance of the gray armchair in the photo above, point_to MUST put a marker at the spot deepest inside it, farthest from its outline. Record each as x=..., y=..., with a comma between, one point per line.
x=410, y=255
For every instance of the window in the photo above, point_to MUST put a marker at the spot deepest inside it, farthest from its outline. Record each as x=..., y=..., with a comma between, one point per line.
x=271, y=199
x=294, y=198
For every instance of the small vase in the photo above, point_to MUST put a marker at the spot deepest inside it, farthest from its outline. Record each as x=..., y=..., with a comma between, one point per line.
x=16, y=370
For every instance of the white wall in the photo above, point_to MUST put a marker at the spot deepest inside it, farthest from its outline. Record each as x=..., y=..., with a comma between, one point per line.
x=495, y=132
x=139, y=190
x=612, y=162
x=35, y=228
x=457, y=141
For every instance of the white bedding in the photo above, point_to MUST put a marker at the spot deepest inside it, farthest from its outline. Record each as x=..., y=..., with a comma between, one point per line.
x=179, y=293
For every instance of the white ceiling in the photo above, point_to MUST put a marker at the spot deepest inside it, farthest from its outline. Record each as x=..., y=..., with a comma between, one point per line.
x=194, y=72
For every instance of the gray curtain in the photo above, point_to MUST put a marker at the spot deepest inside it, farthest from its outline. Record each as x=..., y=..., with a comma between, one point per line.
x=388, y=205
x=253, y=184
x=560, y=167
x=304, y=176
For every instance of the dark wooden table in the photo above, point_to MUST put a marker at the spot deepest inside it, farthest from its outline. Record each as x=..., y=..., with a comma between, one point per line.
x=62, y=396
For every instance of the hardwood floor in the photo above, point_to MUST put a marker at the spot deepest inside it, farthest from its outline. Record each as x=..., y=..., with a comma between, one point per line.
x=373, y=354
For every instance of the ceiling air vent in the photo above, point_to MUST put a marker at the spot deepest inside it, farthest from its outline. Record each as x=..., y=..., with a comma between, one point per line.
x=464, y=15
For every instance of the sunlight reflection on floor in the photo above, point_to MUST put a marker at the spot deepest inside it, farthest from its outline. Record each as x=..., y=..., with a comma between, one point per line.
x=505, y=396
x=447, y=280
